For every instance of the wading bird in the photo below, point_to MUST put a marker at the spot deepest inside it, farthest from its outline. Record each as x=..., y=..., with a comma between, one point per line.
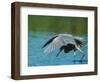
x=64, y=42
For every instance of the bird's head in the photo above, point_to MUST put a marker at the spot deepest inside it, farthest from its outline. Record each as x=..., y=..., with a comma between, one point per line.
x=80, y=42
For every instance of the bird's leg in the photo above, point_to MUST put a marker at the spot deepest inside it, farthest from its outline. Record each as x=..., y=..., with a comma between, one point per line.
x=74, y=53
x=82, y=56
x=82, y=53
x=74, y=56
x=59, y=52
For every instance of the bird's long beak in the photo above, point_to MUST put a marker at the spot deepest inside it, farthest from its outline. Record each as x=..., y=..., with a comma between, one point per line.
x=78, y=48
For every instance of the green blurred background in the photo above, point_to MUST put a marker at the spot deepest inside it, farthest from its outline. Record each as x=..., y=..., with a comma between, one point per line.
x=57, y=24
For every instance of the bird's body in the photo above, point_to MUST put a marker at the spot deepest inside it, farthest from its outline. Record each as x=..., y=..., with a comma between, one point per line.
x=64, y=42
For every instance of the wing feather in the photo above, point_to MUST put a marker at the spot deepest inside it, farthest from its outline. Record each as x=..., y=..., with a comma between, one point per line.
x=59, y=41
x=49, y=41
x=56, y=44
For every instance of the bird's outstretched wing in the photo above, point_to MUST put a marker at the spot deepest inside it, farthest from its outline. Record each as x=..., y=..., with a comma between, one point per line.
x=55, y=44
x=49, y=41
x=59, y=41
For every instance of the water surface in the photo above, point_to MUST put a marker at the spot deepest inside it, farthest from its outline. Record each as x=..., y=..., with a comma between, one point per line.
x=36, y=56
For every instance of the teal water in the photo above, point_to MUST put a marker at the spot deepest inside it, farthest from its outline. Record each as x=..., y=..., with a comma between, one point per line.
x=36, y=57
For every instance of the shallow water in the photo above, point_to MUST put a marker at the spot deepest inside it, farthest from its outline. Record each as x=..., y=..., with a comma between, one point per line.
x=36, y=56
